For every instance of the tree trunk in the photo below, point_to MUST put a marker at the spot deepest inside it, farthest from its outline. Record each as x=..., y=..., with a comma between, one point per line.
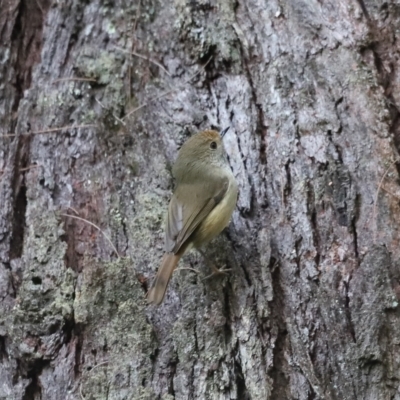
x=96, y=98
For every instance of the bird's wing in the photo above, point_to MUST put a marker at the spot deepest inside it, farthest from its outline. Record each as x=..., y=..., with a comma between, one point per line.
x=184, y=216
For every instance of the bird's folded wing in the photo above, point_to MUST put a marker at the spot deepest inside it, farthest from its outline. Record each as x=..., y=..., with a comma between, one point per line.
x=189, y=206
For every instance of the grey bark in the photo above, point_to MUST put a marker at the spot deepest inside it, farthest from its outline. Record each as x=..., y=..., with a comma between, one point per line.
x=96, y=98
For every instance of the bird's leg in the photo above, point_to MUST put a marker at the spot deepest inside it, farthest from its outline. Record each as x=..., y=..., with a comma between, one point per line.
x=210, y=264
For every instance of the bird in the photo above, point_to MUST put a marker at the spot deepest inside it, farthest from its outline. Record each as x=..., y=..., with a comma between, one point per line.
x=201, y=206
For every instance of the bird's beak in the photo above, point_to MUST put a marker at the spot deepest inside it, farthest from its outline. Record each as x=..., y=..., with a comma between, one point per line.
x=222, y=133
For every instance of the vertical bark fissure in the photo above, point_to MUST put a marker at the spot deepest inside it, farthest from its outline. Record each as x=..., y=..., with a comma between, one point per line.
x=21, y=161
x=33, y=390
x=279, y=372
x=26, y=43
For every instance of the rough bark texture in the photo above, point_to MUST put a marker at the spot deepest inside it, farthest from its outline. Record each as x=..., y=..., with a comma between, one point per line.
x=310, y=309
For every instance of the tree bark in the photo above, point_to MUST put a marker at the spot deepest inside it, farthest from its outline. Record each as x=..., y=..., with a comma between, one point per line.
x=96, y=98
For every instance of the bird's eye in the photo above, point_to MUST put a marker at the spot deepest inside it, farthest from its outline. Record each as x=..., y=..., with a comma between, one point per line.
x=213, y=145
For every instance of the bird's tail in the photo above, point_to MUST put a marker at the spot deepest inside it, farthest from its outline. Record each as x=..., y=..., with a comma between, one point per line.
x=159, y=286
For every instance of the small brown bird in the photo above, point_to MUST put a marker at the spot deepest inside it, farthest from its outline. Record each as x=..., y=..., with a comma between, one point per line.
x=201, y=206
